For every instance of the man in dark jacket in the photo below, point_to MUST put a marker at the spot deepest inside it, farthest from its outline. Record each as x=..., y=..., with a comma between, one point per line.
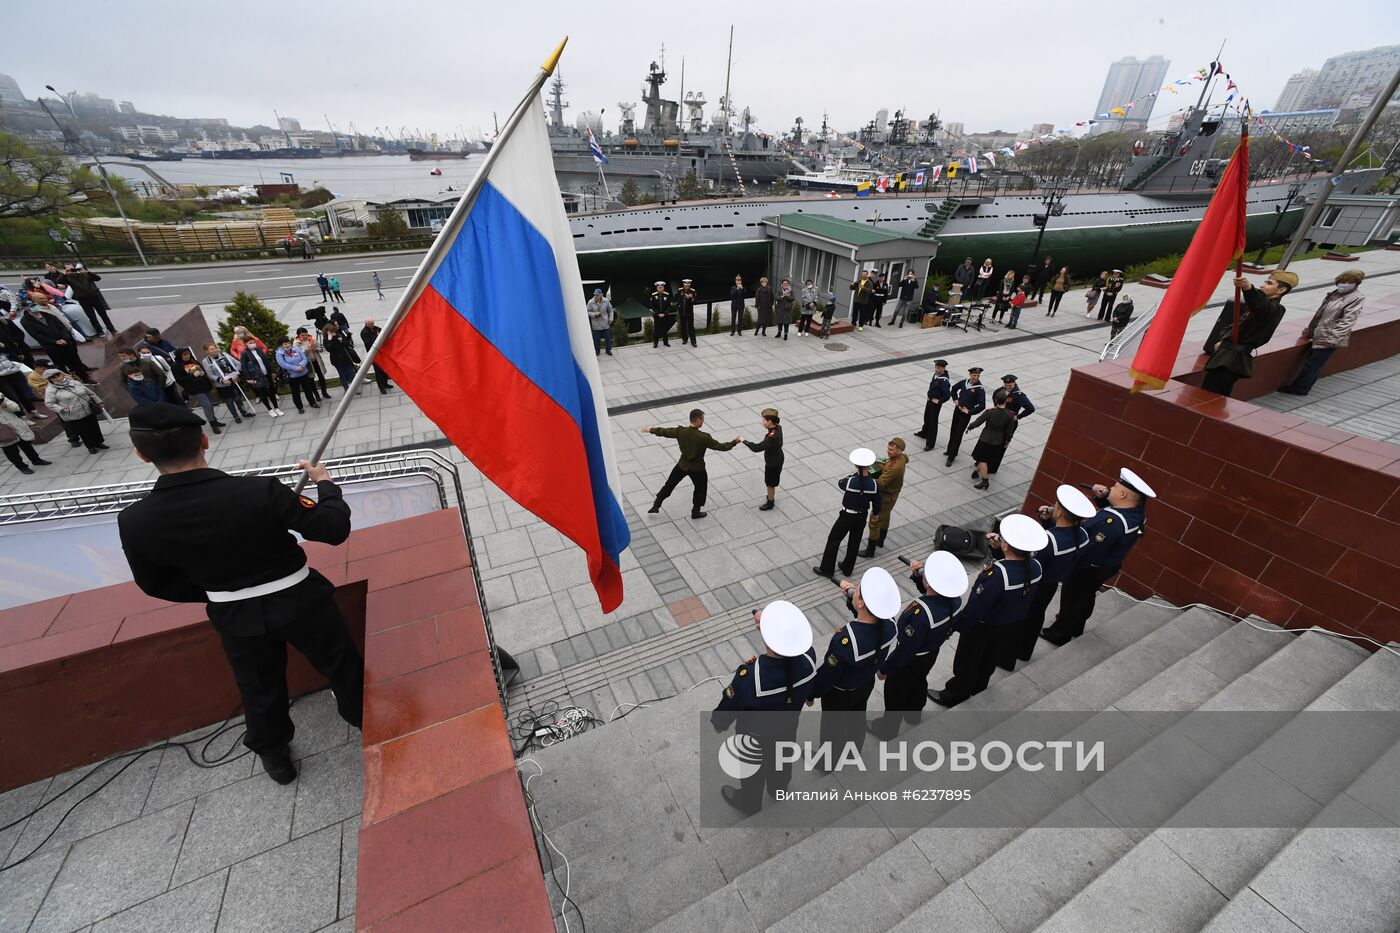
x=685, y=311
x=969, y=398
x=88, y=296
x=863, y=287
x=693, y=443
x=965, y=275
x=55, y=337
x=12, y=339
x=907, y=290
x=878, y=296
x=1042, y=277
x=1231, y=359
x=368, y=335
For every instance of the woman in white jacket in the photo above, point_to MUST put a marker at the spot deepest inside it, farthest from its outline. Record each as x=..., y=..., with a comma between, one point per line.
x=16, y=437
x=76, y=405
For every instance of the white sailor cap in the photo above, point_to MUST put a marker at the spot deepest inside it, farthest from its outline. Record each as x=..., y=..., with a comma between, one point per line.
x=785, y=629
x=658, y=283
x=945, y=575
x=685, y=281
x=1136, y=483
x=1023, y=533
x=862, y=456
x=1074, y=502
x=880, y=593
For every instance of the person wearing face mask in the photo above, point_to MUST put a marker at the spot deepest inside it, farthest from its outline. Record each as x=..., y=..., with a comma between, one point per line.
x=259, y=374
x=786, y=309
x=78, y=407
x=160, y=364
x=1329, y=329
x=139, y=386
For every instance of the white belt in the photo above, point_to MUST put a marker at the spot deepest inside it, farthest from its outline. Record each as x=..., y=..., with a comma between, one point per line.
x=853, y=511
x=262, y=589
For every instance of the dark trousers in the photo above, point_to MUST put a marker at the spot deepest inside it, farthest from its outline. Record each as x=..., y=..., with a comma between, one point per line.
x=1106, y=304
x=769, y=729
x=600, y=338
x=299, y=385
x=381, y=378
x=661, y=330
x=318, y=374
x=1038, y=292
x=850, y=526
x=976, y=659
x=13, y=386
x=845, y=726
x=1312, y=369
x=699, y=479
x=736, y=321
x=259, y=665
x=956, y=431
x=877, y=311
x=1077, y=595
x=347, y=377
x=906, y=694
x=337, y=294
x=12, y=452
x=862, y=315
x=65, y=357
x=233, y=400
x=325, y=290
x=1019, y=643
x=267, y=395
x=686, y=322
x=1054, y=302
x=95, y=308
x=88, y=431
x=932, y=411
x=1220, y=381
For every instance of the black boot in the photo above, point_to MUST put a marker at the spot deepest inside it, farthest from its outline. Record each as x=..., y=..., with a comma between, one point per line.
x=766, y=506
x=985, y=484
x=278, y=765
x=655, y=507
x=880, y=542
x=869, y=549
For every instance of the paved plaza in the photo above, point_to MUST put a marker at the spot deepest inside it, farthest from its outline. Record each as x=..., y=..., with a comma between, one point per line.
x=164, y=845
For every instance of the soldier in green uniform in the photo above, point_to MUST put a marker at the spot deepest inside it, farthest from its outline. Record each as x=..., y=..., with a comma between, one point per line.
x=1259, y=318
x=693, y=443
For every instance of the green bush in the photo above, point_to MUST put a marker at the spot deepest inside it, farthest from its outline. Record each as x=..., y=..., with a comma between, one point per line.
x=620, y=335
x=246, y=310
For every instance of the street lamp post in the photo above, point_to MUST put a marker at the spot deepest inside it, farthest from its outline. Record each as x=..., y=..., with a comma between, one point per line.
x=1054, y=201
x=1293, y=190
x=101, y=170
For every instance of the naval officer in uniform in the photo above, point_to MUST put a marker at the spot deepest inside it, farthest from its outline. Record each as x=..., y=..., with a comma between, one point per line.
x=261, y=594
x=775, y=683
x=940, y=389
x=1001, y=597
x=969, y=398
x=920, y=631
x=860, y=495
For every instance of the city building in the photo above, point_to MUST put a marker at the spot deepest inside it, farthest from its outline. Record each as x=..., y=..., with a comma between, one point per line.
x=9, y=91
x=1351, y=81
x=93, y=101
x=127, y=106
x=1298, y=88
x=1038, y=130
x=1129, y=80
x=289, y=124
x=1287, y=123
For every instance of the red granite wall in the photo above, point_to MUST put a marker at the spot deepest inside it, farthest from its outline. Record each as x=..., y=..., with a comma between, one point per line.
x=1257, y=512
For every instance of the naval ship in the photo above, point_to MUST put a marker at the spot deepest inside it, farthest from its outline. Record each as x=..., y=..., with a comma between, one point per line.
x=1151, y=213
x=657, y=154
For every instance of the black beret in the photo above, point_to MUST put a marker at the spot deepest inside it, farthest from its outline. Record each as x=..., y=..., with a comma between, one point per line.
x=162, y=416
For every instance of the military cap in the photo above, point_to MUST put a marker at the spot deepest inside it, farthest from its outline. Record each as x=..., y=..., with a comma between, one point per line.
x=162, y=416
x=1023, y=533
x=1008, y=378
x=945, y=575
x=1136, y=483
x=1074, y=502
x=769, y=413
x=785, y=629
x=1285, y=278
x=975, y=369
x=943, y=363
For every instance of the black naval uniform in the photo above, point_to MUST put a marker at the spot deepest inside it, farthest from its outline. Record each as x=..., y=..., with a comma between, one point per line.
x=661, y=311
x=1001, y=596
x=920, y=631
x=1112, y=534
x=860, y=495
x=940, y=389
x=974, y=397
x=847, y=677
x=774, y=687
x=203, y=535
x=685, y=310
x=1057, y=561
x=1019, y=404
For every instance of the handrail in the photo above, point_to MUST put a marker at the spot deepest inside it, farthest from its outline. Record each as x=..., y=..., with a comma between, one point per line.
x=1127, y=335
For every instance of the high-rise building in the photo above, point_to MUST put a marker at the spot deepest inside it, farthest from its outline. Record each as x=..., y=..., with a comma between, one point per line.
x=289, y=124
x=127, y=106
x=9, y=91
x=1129, y=81
x=1297, y=89
x=1352, y=80
x=954, y=130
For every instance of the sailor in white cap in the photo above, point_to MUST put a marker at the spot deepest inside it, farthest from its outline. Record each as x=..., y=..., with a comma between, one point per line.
x=860, y=496
x=1063, y=521
x=779, y=680
x=920, y=631
x=685, y=310
x=662, y=311
x=1112, y=532
x=847, y=674
x=1001, y=597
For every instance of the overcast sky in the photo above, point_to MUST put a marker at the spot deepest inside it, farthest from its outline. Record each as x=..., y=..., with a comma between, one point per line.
x=438, y=65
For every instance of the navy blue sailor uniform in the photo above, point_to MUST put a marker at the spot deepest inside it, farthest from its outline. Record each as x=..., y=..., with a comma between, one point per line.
x=846, y=677
x=860, y=495
x=921, y=629
x=1111, y=535
x=1057, y=561
x=777, y=688
x=973, y=397
x=1019, y=404
x=1000, y=598
x=940, y=389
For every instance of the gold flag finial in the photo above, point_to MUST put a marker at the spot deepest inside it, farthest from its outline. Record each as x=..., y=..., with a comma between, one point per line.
x=553, y=58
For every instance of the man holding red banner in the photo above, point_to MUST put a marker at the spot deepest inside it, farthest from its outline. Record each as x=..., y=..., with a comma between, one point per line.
x=1231, y=351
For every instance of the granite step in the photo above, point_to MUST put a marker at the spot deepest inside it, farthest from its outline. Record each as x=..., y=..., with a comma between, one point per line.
x=1176, y=879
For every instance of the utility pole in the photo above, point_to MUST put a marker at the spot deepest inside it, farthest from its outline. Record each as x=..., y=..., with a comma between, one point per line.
x=1315, y=210
x=101, y=170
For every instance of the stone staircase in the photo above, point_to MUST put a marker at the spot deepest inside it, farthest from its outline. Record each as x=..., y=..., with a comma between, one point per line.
x=622, y=803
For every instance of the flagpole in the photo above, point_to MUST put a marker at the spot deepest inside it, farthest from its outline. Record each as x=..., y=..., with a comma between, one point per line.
x=433, y=257
x=1239, y=260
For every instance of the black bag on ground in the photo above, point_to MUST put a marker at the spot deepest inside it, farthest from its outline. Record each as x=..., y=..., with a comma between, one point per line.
x=959, y=541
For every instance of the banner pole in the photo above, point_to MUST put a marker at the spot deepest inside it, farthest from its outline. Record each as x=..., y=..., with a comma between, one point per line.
x=433, y=257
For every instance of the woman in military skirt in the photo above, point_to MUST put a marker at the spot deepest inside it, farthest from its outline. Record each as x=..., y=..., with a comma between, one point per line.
x=998, y=425
x=772, y=448
x=891, y=482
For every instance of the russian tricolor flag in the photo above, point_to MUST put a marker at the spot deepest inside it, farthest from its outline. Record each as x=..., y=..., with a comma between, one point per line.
x=496, y=351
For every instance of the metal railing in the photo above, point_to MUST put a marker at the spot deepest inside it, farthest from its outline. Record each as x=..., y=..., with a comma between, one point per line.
x=104, y=500
x=1128, y=336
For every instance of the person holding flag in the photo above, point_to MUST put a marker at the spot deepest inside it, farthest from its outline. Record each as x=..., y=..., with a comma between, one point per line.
x=1239, y=331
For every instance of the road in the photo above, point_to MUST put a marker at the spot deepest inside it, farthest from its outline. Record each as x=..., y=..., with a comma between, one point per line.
x=273, y=282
